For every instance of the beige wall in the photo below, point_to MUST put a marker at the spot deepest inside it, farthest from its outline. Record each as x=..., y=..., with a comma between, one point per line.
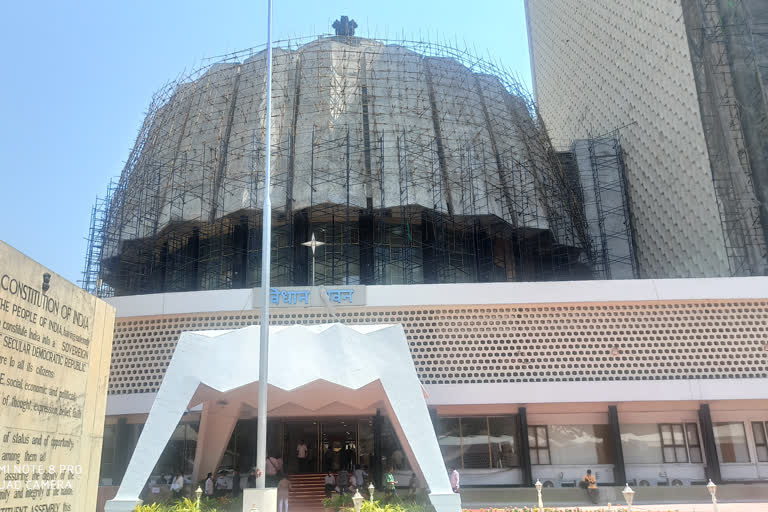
x=54, y=365
x=607, y=64
x=505, y=343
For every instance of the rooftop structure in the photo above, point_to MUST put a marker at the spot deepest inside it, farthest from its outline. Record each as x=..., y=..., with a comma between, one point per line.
x=413, y=162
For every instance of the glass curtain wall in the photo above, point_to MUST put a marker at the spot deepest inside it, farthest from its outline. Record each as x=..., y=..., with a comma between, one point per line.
x=481, y=442
x=179, y=453
x=576, y=444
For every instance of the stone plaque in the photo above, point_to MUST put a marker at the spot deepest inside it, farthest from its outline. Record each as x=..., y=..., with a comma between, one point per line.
x=54, y=366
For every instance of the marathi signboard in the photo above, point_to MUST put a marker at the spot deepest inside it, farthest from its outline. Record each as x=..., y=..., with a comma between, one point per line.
x=54, y=365
x=309, y=296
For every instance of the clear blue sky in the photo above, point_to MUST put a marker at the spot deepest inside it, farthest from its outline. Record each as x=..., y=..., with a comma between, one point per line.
x=78, y=78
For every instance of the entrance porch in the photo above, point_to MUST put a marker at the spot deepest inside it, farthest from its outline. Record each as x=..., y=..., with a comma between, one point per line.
x=325, y=371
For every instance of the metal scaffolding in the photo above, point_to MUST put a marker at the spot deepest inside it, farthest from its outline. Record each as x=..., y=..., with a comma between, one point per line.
x=414, y=162
x=723, y=58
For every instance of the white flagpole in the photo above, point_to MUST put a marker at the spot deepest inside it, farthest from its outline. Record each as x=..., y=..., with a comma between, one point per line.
x=266, y=247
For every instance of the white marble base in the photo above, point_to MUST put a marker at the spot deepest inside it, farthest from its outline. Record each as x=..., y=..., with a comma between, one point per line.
x=121, y=505
x=259, y=500
x=449, y=502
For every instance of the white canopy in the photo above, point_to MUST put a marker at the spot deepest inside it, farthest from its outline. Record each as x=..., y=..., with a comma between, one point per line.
x=363, y=366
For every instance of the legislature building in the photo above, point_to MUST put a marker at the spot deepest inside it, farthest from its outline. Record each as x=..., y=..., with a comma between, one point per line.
x=436, y=200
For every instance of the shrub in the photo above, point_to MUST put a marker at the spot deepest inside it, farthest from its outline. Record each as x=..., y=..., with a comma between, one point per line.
x=183, y=505
x=338, y=502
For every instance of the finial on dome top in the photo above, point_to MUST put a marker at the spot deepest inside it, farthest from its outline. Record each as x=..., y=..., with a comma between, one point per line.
x=345, y=26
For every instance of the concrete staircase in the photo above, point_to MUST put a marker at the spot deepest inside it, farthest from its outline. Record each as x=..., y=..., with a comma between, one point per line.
x=307, y=492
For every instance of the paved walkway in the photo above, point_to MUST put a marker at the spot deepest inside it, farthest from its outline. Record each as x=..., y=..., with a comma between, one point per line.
x=693, y=507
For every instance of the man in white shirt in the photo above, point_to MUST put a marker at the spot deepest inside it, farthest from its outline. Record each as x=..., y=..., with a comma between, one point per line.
x=177, y=486
x=209, y=485
x=301, y=455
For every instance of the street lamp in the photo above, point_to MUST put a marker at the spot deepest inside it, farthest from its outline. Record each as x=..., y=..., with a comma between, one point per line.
x=198, y=493
x=629, y=496
x=371, y=488
x=357, y=500
x=712, y=488
x=538, y=491
x=314, y=244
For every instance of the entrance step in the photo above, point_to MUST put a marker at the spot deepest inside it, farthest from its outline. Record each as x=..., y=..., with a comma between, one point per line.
x=307, y=492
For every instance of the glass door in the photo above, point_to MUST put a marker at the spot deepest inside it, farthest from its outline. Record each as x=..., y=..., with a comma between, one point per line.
x=338, y=443
x=300, y=447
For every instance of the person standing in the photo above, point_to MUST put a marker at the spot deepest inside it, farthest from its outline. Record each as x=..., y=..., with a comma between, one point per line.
x=391, y=482
x=590, y=482
x=177, y=486
x=413, y=485
x=209, y=485
x=455, y=480
x=283, y=493
x=301, y=456
x=273, y=467
x=360, y=476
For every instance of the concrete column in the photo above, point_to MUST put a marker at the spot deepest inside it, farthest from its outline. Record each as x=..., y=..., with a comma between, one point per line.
x=377, y=450
x=525, y=451
x=216, y=425
x=708, y=442
x=619, y=468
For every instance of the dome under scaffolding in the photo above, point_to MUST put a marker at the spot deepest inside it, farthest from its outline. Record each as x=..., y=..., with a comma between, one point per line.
x=414, y=162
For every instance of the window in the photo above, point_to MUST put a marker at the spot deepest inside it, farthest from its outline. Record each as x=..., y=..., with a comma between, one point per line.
x=449, y=440
x=538, y=444
x=475, y=450
x=108, y=448
x=649, y=443
x=731, y=442
x=641, y=443
x=479, y=442
x=581, y=444
x=179, y=452
x=673, y=442
x=503, y=436
x=694, y=445
x=760, y=431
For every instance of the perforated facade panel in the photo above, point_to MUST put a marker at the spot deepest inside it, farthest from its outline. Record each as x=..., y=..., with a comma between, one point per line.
x=507, y=343
x=608, y=64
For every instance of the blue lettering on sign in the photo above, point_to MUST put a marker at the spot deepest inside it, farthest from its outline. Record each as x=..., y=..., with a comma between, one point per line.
x=288, y=296
x=338, y=296
x=293, y=297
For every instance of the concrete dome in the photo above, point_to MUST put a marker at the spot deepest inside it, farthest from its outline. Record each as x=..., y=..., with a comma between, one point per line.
x=360, y=128
x=452, y=133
